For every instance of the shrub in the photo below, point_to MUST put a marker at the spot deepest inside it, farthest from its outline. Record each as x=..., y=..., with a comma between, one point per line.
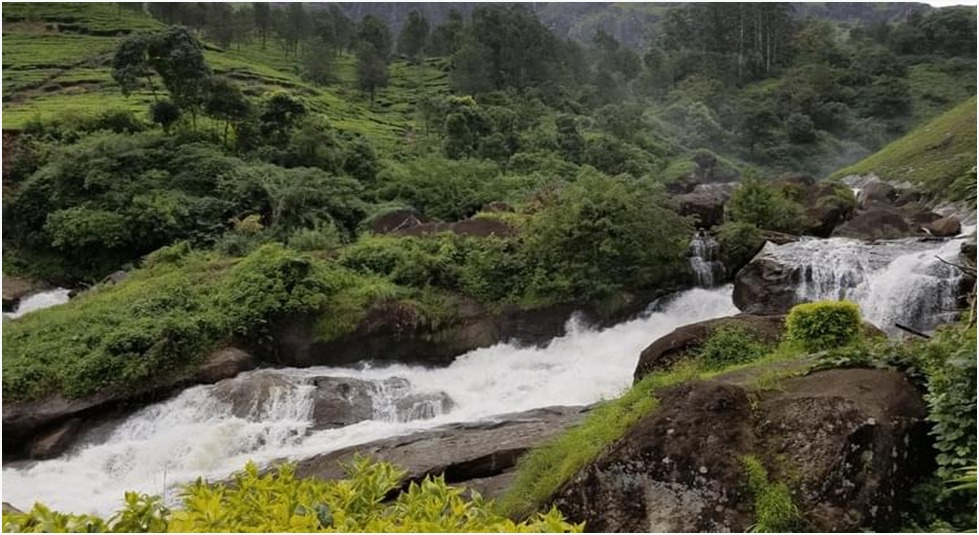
x=764, y=206
x=278, y=501
x=824, y=324
x=602, y=234
x=739, y=242
x=324, y=237
x=731, y=344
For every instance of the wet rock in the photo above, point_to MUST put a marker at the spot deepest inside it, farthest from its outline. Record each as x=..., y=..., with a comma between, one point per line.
x=17, y=288
x=876, y=192
x=876, y=223
x=778, y=238
x=57, y=441
x=422, y=406
x=944, y=227
x=765, y=287
x=250, y=396
x=826, y=207
x=480, y=454
x=224, y=363
x=848, y=443
x=706, y=202
x=682, y=341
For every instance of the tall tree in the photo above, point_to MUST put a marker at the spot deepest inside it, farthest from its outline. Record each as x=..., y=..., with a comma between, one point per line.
x=263, y=19
x=446, y=39
x=413, y=35
x=374, y=32
x=372, y=69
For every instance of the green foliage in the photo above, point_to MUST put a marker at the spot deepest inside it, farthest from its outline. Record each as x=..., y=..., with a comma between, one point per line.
x=823, y=324
x=324, y=238
x=278, y=501
x=601, y=234
x=762, y=205
x=439, y=188
x=939, y=155
x=739, y=242
x=775, y=512
x=158, y=324
x=731, y=344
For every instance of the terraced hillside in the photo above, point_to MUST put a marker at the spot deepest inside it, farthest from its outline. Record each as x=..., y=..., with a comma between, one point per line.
x=57, y=63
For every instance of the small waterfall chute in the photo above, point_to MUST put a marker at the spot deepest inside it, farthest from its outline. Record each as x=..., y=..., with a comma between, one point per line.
x=705, y=262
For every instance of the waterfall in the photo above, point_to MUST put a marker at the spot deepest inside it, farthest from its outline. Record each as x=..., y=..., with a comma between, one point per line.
x=199, y=432
x=704, y=261
x=49, y=298
x=894, y=281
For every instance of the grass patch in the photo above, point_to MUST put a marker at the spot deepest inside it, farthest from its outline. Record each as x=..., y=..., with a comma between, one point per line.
x=775, y=512
x=940, y=156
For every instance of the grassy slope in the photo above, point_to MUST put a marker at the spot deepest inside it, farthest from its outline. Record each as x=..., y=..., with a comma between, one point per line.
x=939, y=155
x=57, y=62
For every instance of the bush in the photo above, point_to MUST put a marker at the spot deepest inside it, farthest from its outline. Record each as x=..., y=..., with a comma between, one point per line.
x=322, y=238
x=824, y=324
x=739, y=242
x=280, y=502
x=764, y=206
x=603, y=234
x=731, y=344
x=440, y=188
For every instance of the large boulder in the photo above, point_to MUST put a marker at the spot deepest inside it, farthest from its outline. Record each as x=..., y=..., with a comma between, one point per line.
x=826, y=207
x=876, y=192
x=765, y=287
x=396, y=220
x=480, y=455
x=47, y=427
x=682, y=341
x=944, y=227
x=877, y=223
x=706, y=203
x=848, y=443
x=224, y=363
x=17, y=288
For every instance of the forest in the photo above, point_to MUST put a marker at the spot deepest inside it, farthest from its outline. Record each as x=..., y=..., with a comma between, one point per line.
x=214, y=174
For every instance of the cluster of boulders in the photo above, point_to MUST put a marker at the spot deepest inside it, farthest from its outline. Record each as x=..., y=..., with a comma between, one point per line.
x=411, y=222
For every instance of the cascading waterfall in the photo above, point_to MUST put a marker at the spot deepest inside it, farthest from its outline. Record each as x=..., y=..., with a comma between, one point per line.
x=894, y=281
x=197, y=433
x=704, y=260
x=49, y=298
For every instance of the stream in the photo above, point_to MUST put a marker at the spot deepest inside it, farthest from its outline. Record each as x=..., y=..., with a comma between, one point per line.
x=198, y=432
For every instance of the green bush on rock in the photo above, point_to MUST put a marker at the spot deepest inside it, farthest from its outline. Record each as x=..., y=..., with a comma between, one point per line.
x=278, y=501
x=731, y=344
x=824, y=324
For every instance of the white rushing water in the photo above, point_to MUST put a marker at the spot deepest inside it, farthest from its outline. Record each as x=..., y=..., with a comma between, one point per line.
x=705, y=261
x=894, y=281
x=49, y=298
x=197, y=433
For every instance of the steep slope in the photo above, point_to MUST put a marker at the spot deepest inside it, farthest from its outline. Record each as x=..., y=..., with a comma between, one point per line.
x=939, y=155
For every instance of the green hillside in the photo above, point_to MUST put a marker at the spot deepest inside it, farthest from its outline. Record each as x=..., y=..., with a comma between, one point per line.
x=940, y=155
x=57, y=64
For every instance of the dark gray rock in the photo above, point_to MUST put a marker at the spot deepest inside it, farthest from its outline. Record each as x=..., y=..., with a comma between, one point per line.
x=480, y=455
x=848, y=443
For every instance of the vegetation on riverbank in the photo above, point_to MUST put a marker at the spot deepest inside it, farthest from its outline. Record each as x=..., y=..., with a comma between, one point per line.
x=281, y=502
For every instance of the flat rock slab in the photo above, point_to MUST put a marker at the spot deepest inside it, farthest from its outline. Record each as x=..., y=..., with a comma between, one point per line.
x=479, y=455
